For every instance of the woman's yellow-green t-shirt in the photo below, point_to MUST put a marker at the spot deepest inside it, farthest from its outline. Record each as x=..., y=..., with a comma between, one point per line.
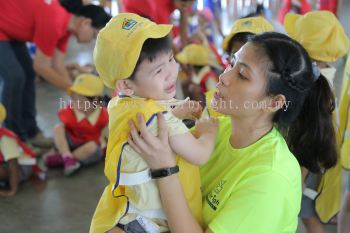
x=256, y=189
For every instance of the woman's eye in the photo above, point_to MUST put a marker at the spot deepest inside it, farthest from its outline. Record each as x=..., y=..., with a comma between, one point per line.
x=241, y=76
x=159, y=71
x=171, y=58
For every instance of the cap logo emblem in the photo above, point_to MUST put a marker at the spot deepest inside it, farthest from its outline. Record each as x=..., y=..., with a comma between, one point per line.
x=128, y=24
x=247, y=23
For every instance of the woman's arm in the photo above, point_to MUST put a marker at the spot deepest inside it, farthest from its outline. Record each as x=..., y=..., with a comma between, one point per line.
x=157, y=153
x=175, y=206
x=43, y=65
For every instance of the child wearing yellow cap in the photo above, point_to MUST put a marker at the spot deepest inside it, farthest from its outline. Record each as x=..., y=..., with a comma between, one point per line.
x=17, y=161
x=241, y=30
x=134, y=56
x=196, y=58
x=78, y=136
x=323, y=36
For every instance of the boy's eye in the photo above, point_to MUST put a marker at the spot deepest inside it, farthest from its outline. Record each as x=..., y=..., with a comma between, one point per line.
x=159, y=71
x=171, y=58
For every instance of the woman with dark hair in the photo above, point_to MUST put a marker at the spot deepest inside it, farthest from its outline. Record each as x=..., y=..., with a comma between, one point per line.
x=278, y=117
x=47, y=23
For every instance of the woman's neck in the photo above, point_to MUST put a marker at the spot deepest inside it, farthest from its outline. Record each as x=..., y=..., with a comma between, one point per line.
x=247, y=131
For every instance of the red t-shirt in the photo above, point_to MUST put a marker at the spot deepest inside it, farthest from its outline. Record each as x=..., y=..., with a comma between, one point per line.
x=328, y=5
x=82, y=132
x=43, y=22
x=157, y=10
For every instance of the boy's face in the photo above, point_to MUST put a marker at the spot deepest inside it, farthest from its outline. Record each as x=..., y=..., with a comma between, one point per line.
x=157, y=79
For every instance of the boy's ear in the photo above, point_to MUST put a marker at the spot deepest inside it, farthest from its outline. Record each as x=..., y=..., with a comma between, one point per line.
x=124, y=87
x=276, y=103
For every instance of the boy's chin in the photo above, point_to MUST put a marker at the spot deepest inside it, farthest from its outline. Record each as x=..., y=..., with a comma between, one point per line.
x=163, y=96
x=171, y=95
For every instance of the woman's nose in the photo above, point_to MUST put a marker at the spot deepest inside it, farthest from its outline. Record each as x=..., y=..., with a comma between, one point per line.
x=221, y=79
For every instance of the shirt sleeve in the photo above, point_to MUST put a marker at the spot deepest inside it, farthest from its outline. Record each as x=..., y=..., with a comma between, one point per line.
x=9, y=148
x=259, y=205
x=47, y=34
x=175, y=125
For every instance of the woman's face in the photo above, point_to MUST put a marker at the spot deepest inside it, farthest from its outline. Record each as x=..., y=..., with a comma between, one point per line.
x=85, y=32
x=241, y=90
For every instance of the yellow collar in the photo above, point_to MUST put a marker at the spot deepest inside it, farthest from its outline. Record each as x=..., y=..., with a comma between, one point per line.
x=92, y=118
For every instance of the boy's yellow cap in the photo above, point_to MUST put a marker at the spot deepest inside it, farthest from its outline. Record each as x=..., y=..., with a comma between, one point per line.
x=2, y=113
x=119, y=43
x=87, y=85
x=253, y=25
x=320, y=32
x=194, y=54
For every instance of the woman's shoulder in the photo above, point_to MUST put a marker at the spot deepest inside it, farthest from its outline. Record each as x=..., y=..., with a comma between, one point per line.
x=274, y=156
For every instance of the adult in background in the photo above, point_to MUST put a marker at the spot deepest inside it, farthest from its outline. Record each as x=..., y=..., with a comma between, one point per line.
x=47, y=23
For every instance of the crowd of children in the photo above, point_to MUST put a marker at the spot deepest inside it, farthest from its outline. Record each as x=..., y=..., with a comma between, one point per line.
x=144, y=75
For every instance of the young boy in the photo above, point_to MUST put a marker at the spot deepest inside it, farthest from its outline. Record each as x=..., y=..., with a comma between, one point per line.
x=134, y=56
x=78, y=136
x=17, y=161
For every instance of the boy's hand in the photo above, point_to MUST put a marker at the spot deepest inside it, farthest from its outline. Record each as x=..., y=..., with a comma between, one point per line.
x=189, y=110
x=209, y=126
x=9, y=193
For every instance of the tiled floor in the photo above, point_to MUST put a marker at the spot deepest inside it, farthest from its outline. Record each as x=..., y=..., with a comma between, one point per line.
x=62, y=204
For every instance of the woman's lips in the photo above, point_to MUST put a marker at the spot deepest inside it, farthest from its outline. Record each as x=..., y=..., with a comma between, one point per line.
x=217, y=95
x=171, y=88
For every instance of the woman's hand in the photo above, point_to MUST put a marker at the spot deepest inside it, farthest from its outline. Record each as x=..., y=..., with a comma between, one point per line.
x=155, y=150
x=189, y=110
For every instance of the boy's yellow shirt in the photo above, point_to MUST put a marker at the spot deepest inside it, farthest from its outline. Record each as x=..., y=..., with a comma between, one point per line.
x=113, y=203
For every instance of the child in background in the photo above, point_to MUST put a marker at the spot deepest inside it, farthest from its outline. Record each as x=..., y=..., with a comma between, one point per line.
x=202, y=78
x=134, y=56
x=78, y=136
x=323, y=37
x=17, y=161
x=241, y=30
